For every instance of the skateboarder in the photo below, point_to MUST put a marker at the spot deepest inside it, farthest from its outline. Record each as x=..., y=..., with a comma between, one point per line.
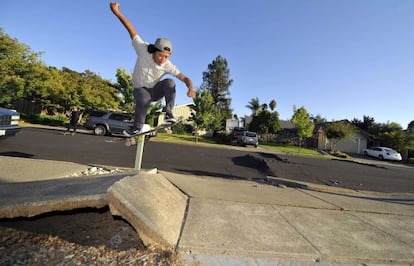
x=151, y=65
x=74, y=119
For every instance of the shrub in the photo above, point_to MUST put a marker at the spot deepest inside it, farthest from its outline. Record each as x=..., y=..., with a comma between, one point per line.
x=50, y=120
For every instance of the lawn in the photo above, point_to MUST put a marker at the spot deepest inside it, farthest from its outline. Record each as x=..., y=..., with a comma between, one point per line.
x=207, y=141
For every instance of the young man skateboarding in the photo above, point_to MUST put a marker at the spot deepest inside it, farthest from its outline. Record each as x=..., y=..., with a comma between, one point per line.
x=151, y=65
x=74, y=119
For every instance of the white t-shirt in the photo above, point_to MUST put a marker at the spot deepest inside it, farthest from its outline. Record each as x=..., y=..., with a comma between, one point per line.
x=146, y=72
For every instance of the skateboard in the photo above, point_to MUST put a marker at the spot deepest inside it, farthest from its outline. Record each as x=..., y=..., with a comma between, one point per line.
x=133, y=139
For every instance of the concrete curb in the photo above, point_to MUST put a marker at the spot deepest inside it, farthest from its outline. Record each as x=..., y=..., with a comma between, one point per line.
x=152, y=205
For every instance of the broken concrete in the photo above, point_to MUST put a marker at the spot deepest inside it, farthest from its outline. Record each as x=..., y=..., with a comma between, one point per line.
x=28, y=199
x=152, y=205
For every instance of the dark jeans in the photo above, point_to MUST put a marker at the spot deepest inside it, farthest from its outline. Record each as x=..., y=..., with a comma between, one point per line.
x=144, y=97
x=71, y=126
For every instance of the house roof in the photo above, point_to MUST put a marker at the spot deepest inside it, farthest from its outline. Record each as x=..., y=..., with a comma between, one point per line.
x=286, y=124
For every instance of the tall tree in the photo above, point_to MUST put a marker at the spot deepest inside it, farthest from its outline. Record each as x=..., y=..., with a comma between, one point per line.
x=410, y=126
x=217, y=80
x=254, y=106
x=303, y=122
x=272, y=105
x=366, y=123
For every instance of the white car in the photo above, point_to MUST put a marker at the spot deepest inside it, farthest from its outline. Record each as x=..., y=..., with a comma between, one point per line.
x=9, y=122
x=383, y=153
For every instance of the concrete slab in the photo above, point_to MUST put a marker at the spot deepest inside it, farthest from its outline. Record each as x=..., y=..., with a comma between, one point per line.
x=366, y=203
x=342, y=237
x=230, y=228
x=223, y=260
x=16, y=169
x=27, y=199
x=152, y=205
x=243, y=191
x=399, y=226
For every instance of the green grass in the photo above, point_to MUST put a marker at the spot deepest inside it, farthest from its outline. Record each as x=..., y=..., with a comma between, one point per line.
x=207, y=141
x=294, y=150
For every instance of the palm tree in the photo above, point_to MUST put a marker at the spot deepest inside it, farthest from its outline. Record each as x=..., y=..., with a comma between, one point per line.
x=254, y=106
x=272, y=105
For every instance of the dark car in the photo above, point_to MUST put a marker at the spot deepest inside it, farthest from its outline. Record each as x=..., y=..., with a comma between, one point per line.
x=237, y=131
x=108, y=122
x=9, y=122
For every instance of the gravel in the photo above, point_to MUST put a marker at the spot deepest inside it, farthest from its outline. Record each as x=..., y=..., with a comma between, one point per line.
x=80, y=237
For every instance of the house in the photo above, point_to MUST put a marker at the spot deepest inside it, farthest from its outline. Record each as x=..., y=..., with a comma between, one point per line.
x=287, y=129
x=180, y=112
x=354, y=144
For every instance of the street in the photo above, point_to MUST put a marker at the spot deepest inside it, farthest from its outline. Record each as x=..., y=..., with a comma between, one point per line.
x=248, y=163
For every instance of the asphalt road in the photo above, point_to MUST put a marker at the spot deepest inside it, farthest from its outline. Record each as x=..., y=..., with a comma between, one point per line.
x=248, y=163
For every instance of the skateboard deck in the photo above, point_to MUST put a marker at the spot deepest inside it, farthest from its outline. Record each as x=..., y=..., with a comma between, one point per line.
x=133, y=139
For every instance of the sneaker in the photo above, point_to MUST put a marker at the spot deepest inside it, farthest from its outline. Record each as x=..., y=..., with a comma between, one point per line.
x=134, y=130
x=169, y=118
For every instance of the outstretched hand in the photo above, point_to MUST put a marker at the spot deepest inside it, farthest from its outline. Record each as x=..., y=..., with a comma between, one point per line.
x=115, y=7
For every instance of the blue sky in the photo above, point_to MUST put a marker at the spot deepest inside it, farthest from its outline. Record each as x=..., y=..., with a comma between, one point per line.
x=341, y=59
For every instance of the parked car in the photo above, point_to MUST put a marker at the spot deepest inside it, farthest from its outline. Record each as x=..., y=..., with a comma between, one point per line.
x=110, y=123
x=383, y=153
x=248, y=138
x=237, y=131
x=9, y=122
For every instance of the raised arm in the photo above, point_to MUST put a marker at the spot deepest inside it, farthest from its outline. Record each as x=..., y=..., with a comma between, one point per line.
x=129, y=27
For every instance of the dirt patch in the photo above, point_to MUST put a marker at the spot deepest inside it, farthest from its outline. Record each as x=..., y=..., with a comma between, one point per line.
x=87, y=236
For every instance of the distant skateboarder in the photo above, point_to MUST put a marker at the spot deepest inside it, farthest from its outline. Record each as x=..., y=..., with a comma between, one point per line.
x=74, y=119
x=151, y=65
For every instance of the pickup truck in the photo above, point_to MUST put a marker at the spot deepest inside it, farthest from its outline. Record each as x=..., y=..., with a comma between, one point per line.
x=9, y=122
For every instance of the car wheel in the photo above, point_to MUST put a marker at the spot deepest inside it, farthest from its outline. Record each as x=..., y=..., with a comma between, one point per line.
x=365, y=153
x=380, y=157
x=99, y=130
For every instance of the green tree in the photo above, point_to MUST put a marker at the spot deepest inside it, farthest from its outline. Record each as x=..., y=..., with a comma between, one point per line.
x=265, y=122
x=337, y=131
x=411, y=126
x=205, y=115
x=272, y=105
x=126, y=89
x=254, y=106
x=365, y=124
x=18, y=65
x=318, y=119
x=217, y=80
x=388, y=134
x=303, y=122
x=23, y=76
